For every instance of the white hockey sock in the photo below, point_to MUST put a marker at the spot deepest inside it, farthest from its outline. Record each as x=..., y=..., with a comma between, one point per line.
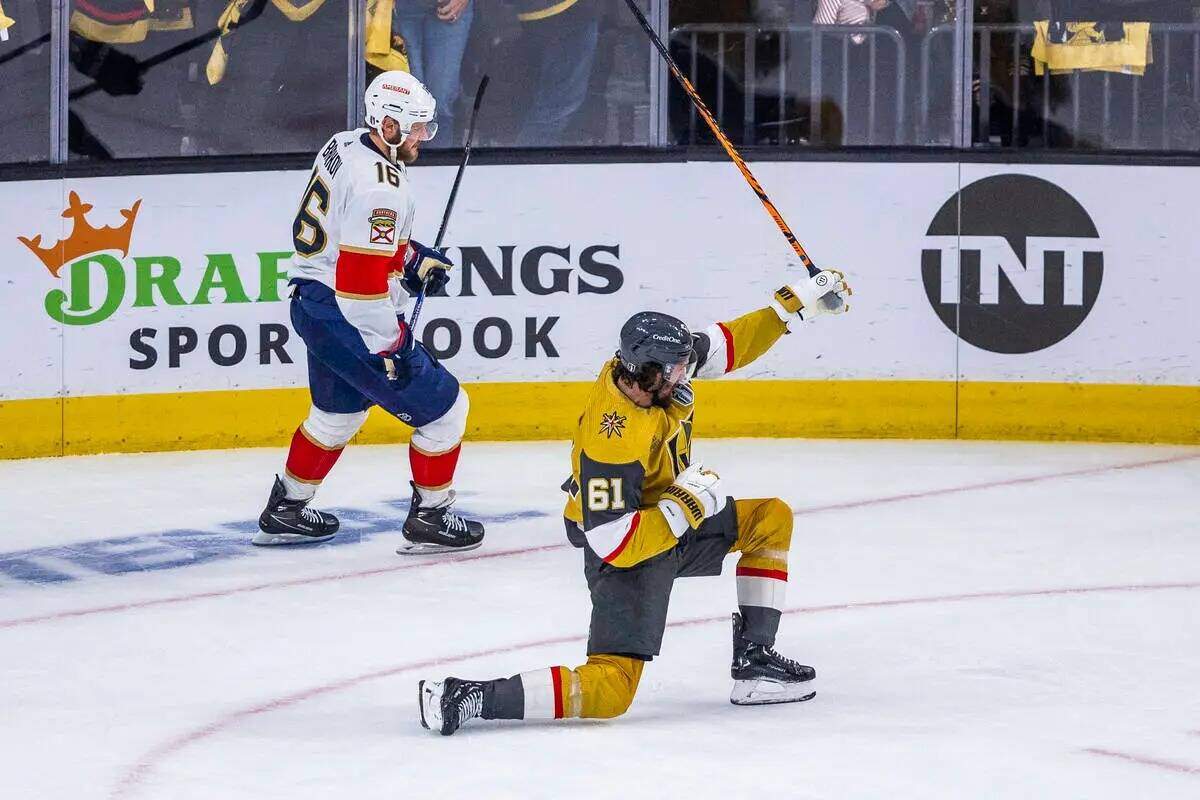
x=432, y=498
x=297, y=490
x=544, y=693
x=756, y=589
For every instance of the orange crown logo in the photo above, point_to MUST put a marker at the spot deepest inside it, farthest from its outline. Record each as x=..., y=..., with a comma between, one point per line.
x=84, y=239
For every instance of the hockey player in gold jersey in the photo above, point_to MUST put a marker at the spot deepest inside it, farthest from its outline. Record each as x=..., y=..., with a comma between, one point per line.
x=645, y=514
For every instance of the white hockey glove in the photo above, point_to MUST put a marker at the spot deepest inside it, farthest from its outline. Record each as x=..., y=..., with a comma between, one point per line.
x=694, y=497
x=823, y=293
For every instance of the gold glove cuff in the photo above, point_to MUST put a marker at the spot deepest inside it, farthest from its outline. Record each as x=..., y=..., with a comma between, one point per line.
x=788, y=299
x=693, y=509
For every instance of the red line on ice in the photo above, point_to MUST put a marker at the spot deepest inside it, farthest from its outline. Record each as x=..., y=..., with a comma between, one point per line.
x=1145, y=761
x=136, y=774
x=971, y=487
x=851, y=504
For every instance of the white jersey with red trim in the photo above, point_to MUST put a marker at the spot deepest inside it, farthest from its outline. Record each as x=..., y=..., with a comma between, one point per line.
x=351, y=234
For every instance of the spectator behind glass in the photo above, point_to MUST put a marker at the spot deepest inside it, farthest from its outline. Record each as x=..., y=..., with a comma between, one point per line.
x=852, y=125
x=275, y=82
x=123, y=103
x=846, y=12
x=563, y=36
x=24, y=81
x=435, y=37
x=863, y=12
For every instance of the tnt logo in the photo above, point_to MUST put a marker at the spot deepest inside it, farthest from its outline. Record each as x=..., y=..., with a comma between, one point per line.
x=1022, y=272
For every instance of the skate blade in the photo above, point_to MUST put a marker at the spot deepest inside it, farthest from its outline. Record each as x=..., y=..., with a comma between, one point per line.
x=408, y=548
x=264, y=539
x=429, y=702
x=421, y=703
x=765, y=693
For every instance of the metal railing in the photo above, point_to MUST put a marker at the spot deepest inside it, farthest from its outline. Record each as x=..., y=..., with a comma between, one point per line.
x=797, y=79
x=1151, y=99
x=787, y=95
x=803, y=84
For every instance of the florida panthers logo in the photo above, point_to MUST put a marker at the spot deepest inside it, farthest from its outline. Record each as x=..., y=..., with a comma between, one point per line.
x=383, y=226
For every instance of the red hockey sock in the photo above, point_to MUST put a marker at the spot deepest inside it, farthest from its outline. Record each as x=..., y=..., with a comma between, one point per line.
x=308, y=460
x=433, y=471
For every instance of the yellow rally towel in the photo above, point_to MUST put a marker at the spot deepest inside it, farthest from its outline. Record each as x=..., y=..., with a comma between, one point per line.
x=219, y=60
x=294, y=10
x=6, y=21
x=1086, y=48
x=385, y=48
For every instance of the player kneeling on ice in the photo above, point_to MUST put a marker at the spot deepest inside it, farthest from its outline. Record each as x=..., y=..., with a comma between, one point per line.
x=354, y=260
x=645, y=515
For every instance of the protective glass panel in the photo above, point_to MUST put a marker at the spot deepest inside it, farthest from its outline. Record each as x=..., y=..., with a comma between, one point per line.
x=191, y=78
x=564, y=72
x=1087, y=75
x=24, y=81
x=831, y=73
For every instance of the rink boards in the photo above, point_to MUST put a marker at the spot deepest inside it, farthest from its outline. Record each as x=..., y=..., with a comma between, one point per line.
x=991, y=301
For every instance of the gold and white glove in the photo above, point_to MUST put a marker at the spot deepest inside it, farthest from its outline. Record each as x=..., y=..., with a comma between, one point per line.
x=694, y=497
x=823, y=293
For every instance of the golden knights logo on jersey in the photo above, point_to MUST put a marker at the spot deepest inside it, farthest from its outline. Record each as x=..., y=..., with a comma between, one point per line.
x=680, y=445
x=612, y=424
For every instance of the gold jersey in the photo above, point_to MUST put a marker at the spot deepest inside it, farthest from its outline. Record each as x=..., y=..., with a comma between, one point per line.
x=623, y=456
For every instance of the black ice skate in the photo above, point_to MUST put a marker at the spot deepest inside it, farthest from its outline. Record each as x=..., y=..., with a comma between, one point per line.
x=761, y=676
x=446, y=705
x=286, y=521
x=437, y=529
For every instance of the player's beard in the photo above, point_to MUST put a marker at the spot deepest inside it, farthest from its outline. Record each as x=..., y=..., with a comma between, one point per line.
x=407, y=152
x=406, y=149
x=663, y=396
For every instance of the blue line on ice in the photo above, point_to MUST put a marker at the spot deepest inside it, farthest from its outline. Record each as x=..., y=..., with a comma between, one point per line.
x=189, y=547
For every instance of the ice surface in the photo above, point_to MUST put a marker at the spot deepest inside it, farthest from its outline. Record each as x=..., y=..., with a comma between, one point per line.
x=987, y=621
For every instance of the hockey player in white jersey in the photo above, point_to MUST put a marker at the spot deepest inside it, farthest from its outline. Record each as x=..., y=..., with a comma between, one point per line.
x=353, y=273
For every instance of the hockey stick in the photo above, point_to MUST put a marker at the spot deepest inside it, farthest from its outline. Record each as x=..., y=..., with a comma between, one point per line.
x=23, y=49
x=723, y=139
x=462, y=166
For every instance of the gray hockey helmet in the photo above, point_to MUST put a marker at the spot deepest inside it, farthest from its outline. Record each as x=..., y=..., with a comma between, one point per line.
x=654, y=338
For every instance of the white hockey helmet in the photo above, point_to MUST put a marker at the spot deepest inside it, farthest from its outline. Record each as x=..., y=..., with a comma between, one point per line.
x=405, y=99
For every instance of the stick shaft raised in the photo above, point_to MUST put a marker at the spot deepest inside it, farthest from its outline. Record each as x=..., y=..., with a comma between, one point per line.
x=723, y=139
